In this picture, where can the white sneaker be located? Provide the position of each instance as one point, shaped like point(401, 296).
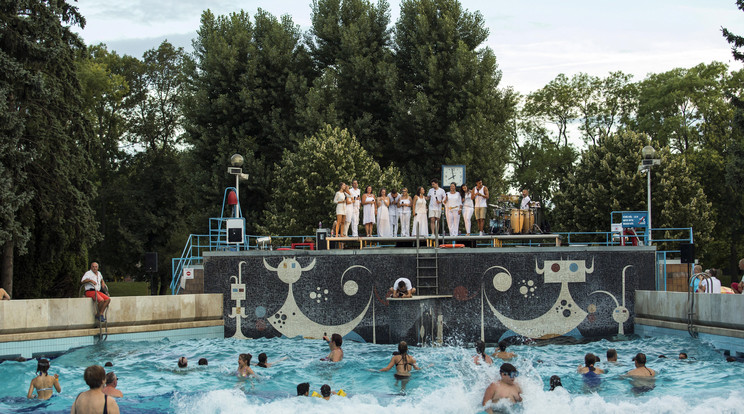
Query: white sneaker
point(480, 234)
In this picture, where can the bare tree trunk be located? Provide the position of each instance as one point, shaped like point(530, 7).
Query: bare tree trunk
point(6, 267)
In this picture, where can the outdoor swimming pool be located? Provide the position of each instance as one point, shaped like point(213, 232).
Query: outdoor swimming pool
point(704, 384)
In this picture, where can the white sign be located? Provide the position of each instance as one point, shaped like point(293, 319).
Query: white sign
point(616, 228)
point(188, 273)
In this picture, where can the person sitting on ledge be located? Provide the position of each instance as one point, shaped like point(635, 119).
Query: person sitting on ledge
point(4, 294)
point(501, 353)
point(94, 285)
point(111, 382)
point(337, 354)
point(402, 288)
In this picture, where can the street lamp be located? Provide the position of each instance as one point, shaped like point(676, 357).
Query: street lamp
point(236, 162)
point(648, 152)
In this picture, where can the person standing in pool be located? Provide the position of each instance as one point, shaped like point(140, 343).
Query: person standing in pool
point(94, 401)
point(480, 349)
point(402, 362)
point(111, 382)
point(505, 388)
point(263, 358)
point(44, 384)
point(337, 354)
point(640, 369)
point(244, 365)
point(611, 355)
point(589, 373)
point(502, 354)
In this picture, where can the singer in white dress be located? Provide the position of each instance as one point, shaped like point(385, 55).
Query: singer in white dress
point(340, 201)
point(383, 215)
point(420, 222)
point(453, 206)
point(467, 207)
point(404, 212)
point(368, 201)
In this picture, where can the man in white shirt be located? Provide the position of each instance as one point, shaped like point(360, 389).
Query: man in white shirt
point(480, 196)
point(710, 283)
point(93, 280)
point(355, 193)
point(393, 210)
point(402, 288)
point(435, 196)
point(525, 205)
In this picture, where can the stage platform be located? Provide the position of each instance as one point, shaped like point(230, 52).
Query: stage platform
point(466, 241)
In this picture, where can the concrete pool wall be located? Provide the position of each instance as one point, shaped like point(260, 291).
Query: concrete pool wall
point(488, 293)
point(717, 318)
point(45, 326)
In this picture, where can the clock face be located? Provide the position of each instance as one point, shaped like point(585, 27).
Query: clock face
point(453, 173)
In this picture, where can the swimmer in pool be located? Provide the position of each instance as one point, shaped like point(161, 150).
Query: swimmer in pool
point(263, 358)
point(555, 382)
point(402, 362)
point(682, 355)
point(183, 362)
point(643, 379)
point(325, 391)
point(505, 388)
point(94, 400)
point(244, 365)
point(611, 355)
point(44, 383)
point(303, 389)
point(480, 349)
point(337, 354)
point(502, 354)
point(589, 361)
point(111, 382)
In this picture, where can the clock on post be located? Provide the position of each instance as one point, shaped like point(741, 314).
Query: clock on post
point(453, 174)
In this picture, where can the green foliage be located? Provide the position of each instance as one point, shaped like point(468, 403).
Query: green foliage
point(449, 109)
point(42, 102)
point(246, 83)
point(308, 178)
point(606, 179)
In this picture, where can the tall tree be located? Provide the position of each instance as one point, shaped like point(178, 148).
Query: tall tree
point(44, 141)
point(351, 44)
point(449, 108)
point(247, 82)
point(310, 176)
point(606, 179)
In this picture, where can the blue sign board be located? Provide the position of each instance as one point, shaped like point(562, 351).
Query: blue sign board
point(635, 219)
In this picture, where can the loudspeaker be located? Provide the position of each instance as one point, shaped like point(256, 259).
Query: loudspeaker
point(151, 262)
point(688, 252)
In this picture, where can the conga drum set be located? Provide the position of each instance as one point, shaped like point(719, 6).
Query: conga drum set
point(508, 218)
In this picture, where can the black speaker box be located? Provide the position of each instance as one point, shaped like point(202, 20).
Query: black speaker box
point(688, 252)
point(151, 262)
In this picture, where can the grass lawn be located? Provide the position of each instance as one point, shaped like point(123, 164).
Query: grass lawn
point(128, 288)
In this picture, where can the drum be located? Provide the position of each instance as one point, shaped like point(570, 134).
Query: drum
point(516, 220)
point(528, 221)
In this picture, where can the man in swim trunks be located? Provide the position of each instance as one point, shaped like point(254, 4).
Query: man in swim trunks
point(402, 288)
point(111, 382)
point(502, 354)
point(94, 401)
point(93, 280)
point(504, 388)
point(337, 354)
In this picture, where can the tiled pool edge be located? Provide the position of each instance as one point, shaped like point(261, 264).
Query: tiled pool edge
point(49, 347)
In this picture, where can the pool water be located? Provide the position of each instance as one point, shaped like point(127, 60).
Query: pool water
point(147, 376)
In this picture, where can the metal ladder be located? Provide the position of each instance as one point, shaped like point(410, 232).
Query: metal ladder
point(427, 271)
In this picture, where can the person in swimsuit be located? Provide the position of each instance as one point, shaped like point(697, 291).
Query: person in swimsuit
point(183, 362)
point(111, 382)
point(94, 401)
point(611, 355)
point(555, 382)
point(504, 388)
point(402, 362)
point(501, 353)
point(325, 391)
point(303, 389)
point(244, 365)
point(589, 372)
point(263, 358)
point(43, 383)
point(480, 348)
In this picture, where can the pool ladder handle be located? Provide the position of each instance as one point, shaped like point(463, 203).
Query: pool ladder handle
point(691, 310)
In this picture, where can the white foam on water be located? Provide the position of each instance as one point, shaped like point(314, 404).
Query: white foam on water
point(456, 399)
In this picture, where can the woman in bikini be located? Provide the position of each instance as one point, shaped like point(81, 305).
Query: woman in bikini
point(402, 362)
point(244, 365)
point(44, 383)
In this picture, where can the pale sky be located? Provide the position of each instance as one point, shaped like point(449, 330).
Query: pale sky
point(533, 41)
